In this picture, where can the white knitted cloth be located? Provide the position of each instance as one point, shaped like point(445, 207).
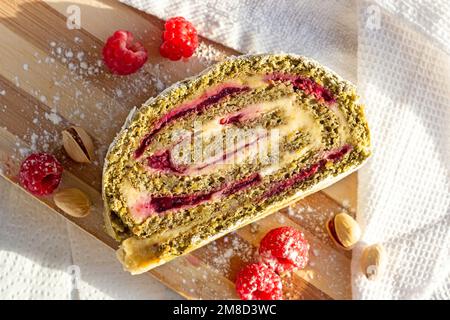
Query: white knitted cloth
point(42, 256)
point(401, 51)
point(404, 76)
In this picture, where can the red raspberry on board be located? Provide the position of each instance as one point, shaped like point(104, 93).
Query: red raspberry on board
point(179, 39)
point(40, 173)
point(122, 55)
point(284, 249)
point(257, 282)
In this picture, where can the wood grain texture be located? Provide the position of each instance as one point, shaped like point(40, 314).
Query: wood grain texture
point(51, 77)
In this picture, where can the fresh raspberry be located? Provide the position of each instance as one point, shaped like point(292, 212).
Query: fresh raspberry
point(284, 249)
point(122, 55)
point(40, 173)
point(179, 39)
point(257, 282)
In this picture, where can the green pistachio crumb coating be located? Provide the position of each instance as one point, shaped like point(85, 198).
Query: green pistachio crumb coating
point(338, 124)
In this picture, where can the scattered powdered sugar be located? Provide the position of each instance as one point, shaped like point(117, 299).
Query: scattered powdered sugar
point(53, 117)
point(119, 92)
point(158, 78)
point(80, 55)
point(83, 65)
point(228, 253)
point(312, 214)
point(281, 219)
point(159, 85)
point(208, 54)
point(224, 251)
point(254, 227)
point(69, 54)
point(34, 139)
point(81, 72)
point(43, 142)
point(23, 151)
point(346, 204)
point(315, 252)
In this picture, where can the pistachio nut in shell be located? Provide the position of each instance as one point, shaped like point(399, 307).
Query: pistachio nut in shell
point(73, 201)
point(344, 230)
point(78, 144)
point(372, 259)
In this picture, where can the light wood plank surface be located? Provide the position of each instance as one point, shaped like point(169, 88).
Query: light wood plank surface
point(52, 77)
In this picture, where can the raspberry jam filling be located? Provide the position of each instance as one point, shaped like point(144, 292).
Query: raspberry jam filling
point(251, 180)
point(157, 205)
point(336, 155)
point(283, 185)
point(231, 119)
point(162, 161)
point(213, 96)
point(248, 113)
point(161, 204)
point(280, 186)
point(197, 106)
point(305, 84)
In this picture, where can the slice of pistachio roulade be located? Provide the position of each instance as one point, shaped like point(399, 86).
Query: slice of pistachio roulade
point(215, 152)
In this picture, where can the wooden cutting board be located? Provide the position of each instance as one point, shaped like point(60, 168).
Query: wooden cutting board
point(51, 77)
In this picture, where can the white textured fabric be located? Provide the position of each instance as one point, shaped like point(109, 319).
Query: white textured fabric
point(323, 30)
point(400, 50)
point(404, 200)
point(34, 249)
point(42, 256)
